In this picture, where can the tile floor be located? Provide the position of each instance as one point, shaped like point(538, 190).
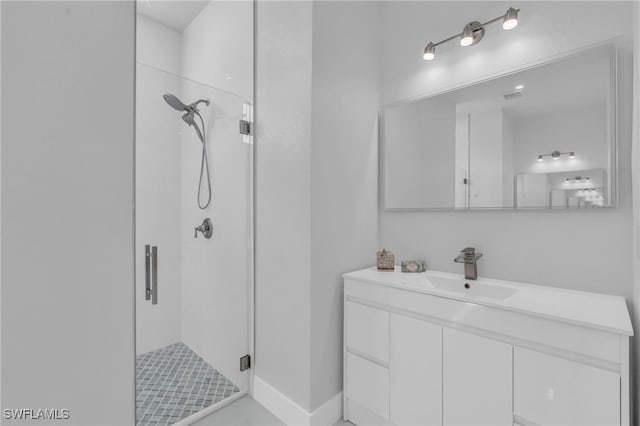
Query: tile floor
point(243, 412)
point(174, 382)
point(246, 412)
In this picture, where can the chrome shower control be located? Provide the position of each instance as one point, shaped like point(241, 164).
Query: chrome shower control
point(206, 228)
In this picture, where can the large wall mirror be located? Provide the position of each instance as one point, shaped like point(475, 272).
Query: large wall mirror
point(539, 138)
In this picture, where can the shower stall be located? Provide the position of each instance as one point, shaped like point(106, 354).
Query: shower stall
point(194, 264)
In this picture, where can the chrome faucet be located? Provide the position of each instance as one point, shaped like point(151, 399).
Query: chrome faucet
point(470, 258)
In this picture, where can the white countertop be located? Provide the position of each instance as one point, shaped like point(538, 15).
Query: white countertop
point(595, 310)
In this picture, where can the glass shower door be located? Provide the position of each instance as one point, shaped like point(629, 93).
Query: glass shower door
point(192, 292)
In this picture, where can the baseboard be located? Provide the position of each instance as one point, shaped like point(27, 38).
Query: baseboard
point(328, 413)
point(291, 413)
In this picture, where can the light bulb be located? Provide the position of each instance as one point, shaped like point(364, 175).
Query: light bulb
point(466, 41)
point(429, 52)
point(572, 155)
point(520, 87)
point(466, 38)
point(539, 157)
point(510, 20)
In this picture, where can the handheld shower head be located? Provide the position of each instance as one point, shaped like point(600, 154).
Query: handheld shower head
point(190, 112)
point(174, 102)
point(178, 105)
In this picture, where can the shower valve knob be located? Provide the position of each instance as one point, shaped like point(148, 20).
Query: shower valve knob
point(206, 228)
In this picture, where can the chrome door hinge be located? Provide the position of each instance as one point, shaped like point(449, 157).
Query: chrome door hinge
point(245, 127)
point(245, 362)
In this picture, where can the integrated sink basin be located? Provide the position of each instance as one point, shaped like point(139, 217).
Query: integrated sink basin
point(471, 288)
point(602, 311)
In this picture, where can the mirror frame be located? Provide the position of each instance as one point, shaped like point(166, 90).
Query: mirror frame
point(613, 130)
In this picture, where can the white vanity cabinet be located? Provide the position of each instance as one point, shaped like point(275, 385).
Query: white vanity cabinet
point(418, 353)
point(477, 380)
point(556, 391)
point(416, 376)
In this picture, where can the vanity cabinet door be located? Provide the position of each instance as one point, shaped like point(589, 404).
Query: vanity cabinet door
point(367, 331)
point(416, 372)
point(554, 391)
point(477, 388)
point(367, 384)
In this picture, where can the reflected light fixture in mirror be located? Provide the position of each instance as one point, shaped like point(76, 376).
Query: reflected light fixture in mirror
point(473, 32)
point(578, 179)
point(555, 155)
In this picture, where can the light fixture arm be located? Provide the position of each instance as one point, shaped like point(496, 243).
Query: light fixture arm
point(453, 37)
point(478, 27)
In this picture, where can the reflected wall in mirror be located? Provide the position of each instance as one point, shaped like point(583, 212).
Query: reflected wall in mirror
point(528, 139)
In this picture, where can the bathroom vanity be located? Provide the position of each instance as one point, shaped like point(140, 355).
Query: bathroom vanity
point(435, 349)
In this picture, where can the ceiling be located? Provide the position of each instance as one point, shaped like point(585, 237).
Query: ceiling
point(176, 14)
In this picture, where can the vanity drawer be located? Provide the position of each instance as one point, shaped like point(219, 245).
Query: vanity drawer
point(367, 331)
point(554, 391)
point(367, 384)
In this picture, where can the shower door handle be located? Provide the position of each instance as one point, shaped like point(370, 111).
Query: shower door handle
point(154, 279)
point(147, 272)
point(151, 274)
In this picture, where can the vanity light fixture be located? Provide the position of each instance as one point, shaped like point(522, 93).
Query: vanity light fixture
point(555, 155)
point(578, 179)
point(510, 19)
point(430, 51)
point(473, 32)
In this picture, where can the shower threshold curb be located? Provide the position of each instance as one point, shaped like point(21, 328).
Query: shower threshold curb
point(210, 409)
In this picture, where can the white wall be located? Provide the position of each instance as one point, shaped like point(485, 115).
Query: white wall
point(343, 173)
point(67, 209)
point(316, 104)
point(283, 201)
point(549, 248)
point(217, 50)
point(158, 181)
point(636, 198)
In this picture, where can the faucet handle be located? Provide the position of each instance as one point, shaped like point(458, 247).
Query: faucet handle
point(468, 251)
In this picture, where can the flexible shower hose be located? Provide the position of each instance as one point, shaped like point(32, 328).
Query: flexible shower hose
point(204, 168)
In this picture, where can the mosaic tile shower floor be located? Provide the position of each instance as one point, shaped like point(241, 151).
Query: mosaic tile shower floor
point(174, 382)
